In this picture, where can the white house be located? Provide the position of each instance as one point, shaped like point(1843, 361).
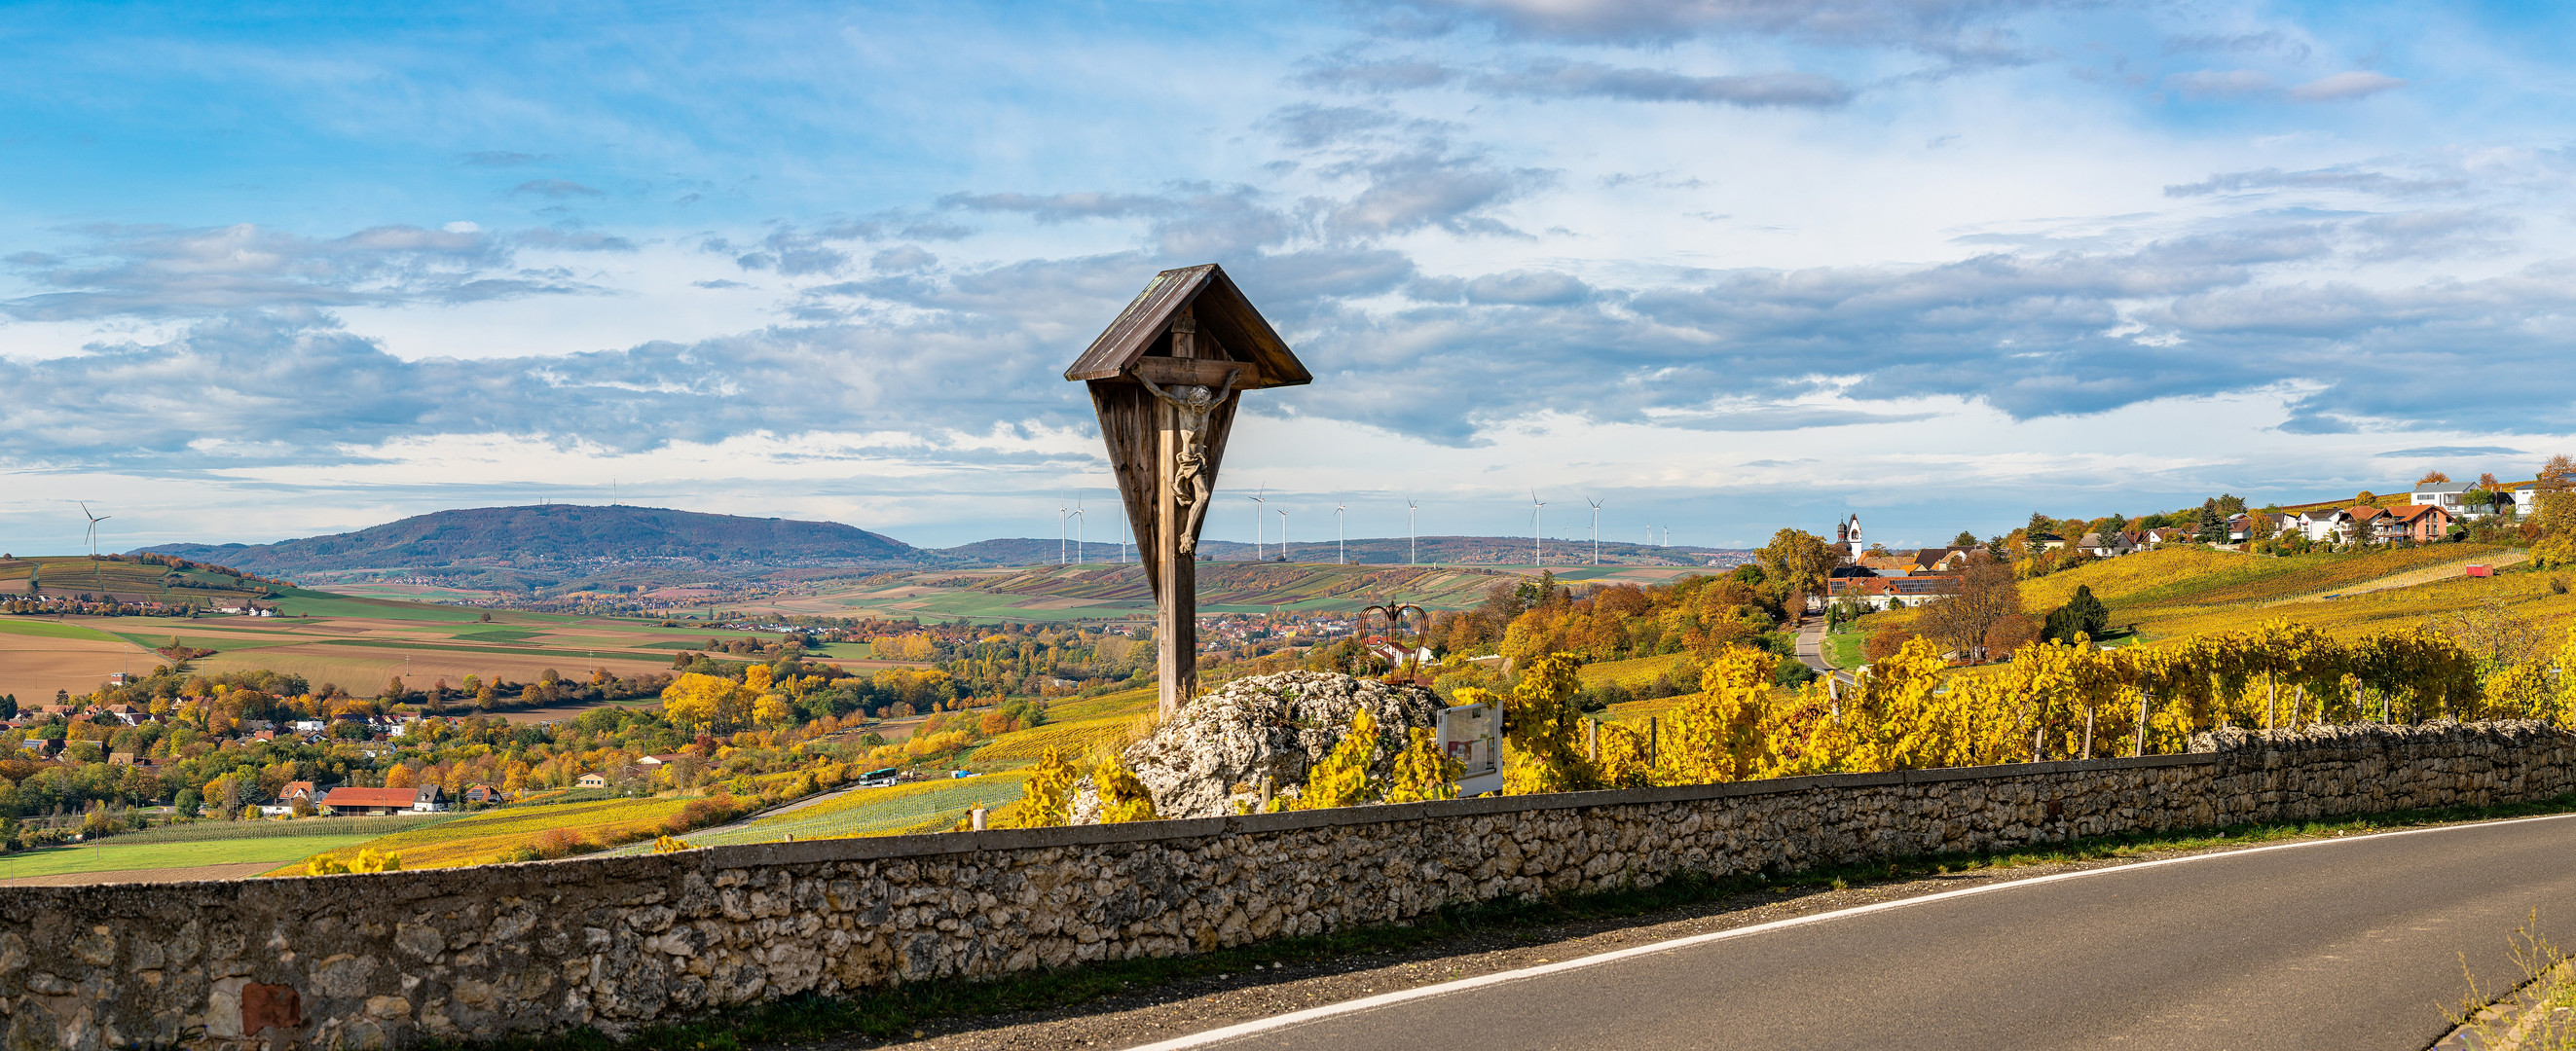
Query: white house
point(2325, 525)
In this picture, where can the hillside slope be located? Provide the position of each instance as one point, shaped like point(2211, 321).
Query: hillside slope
point(557, 533)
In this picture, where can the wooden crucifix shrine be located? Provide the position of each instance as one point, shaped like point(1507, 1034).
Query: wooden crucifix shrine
point(1164, 378)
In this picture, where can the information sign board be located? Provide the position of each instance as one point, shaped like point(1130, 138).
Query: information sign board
point(1472, 734)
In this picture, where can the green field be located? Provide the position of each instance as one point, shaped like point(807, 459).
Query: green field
point(119, 854)
point(52, 629)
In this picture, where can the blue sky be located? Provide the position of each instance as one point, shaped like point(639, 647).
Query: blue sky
point(1729, 265)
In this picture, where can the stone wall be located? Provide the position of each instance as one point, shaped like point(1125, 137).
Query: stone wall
point(618, 943)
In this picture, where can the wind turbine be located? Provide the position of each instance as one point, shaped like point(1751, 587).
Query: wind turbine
point(1596, 532)
point(1339, 557)
point(94, 520)
point(1077, 529)
point(1411, 555)
point(1536, 558)
point(1060, 512)
point(1261, 505)
point(1283, 534)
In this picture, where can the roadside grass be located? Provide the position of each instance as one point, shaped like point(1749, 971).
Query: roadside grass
point(118, 855)
point(900, 1012)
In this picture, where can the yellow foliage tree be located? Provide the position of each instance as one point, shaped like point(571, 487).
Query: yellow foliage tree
point(398, 777)
point(1123, 798)
point(1542, 726)
point(709, 701)
point(1342, 779)
point(1046, 798)
point(1422, 771)
point(1719, 733)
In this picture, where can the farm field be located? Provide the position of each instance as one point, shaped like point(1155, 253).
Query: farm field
point(123, 854)
point(38, 657)
point(1098, 591)
point(354, 642)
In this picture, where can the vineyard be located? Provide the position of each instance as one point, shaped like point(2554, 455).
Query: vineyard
point(2188, 591)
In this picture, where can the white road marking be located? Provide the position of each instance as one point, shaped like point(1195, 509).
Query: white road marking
point(1371, 1003)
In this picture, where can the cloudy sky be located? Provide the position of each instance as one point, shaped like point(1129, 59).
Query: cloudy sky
point(1724, 265)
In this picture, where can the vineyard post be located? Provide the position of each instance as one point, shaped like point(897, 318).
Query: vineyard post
point(1654, 738)
point(2271, 701)
point(2037, 733)
point(2088, 732)
point(2143, 695)
point(1592, 739)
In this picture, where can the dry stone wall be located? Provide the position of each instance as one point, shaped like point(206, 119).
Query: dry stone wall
point(619, 943)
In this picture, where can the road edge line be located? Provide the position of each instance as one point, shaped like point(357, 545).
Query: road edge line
point(1424, 992)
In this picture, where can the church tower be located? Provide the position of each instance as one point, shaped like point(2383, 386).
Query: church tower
point(1847, 534)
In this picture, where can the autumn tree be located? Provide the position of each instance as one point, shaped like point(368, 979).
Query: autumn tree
point(712, 702)
point(2433, 477)
point(1964, 539)
point(2557, 476)
point(1796, 562)
point(1986, 595)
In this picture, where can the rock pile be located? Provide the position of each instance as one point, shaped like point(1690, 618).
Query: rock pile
point(1217, 752)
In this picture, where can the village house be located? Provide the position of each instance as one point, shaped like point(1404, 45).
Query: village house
point(1878, 593)
point(2326, 525)
point(663, 759)
point(379, 802)
point(2422, 523)
point(2100, 546)
point(592, 780)
point(485, 794)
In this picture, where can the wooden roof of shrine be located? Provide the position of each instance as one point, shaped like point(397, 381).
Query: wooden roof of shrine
point(1228, 325)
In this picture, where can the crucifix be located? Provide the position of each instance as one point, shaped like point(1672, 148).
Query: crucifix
point(1166, 377)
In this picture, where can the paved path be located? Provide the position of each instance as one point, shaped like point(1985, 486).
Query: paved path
point(2342, 944)
point(1811, 649)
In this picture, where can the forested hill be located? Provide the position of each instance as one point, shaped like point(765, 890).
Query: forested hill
point(558, 533)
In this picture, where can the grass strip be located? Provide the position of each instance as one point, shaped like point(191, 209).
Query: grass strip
point(900, 1012)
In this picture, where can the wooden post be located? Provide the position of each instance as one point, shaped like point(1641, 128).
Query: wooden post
point(2088, 733)
point(2142, 723)
point(1592, 739)
point(1176, 617)
point(1654, 740)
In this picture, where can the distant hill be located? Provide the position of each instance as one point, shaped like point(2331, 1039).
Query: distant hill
point(557, 535)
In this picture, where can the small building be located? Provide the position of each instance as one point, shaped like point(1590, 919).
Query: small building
point(379, 802)
point(484, 794)
point(592, 780)
point(664, 759)
point(2422, 523)
point(2448, 496)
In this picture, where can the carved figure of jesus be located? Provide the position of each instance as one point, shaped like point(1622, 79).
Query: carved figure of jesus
point(1194, 404)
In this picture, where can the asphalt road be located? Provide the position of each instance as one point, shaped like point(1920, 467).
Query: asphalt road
point(2342, 944)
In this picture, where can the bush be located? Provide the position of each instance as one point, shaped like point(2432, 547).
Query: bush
point(1884, 643)
point(1792, 673)
point(2558, 584)
point(561, 843)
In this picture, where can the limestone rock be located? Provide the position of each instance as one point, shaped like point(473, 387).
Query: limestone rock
point(1216, 752)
